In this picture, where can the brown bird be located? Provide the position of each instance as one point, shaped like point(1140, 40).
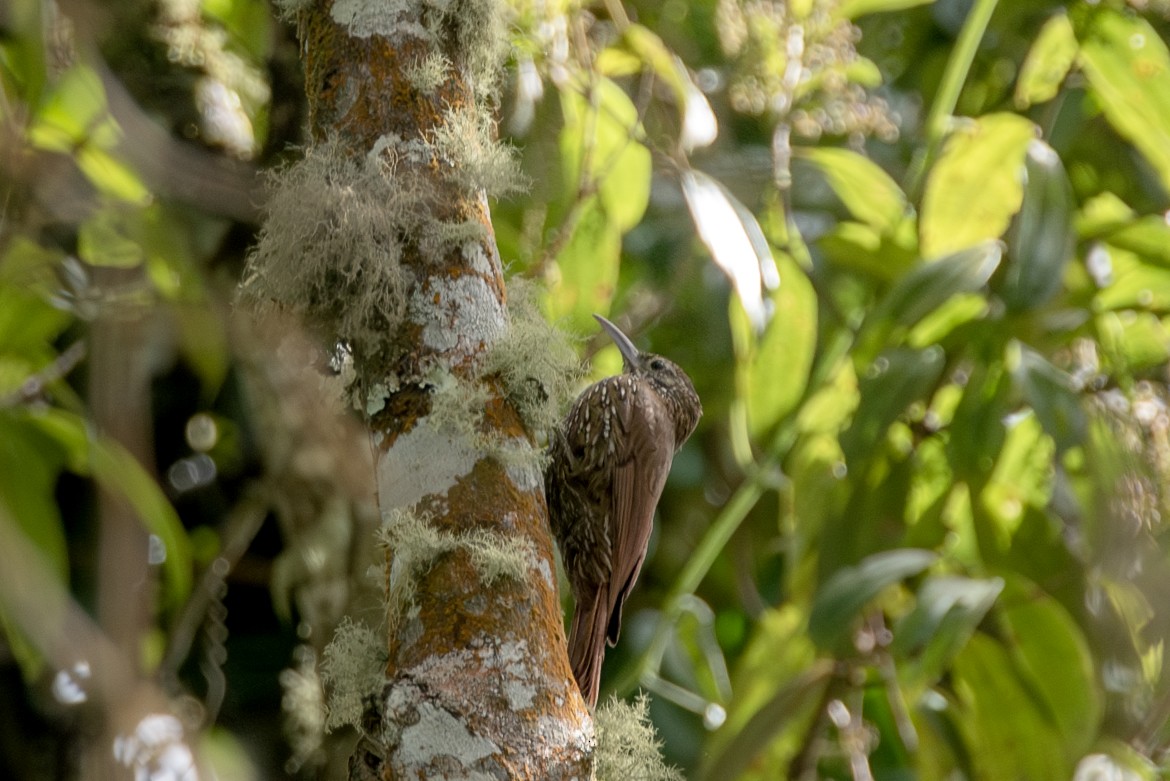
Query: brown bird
point(608, 463)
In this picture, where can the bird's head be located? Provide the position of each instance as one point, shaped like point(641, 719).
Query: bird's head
point(665, 376)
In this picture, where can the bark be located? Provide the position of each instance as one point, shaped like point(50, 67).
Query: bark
point(477, 683)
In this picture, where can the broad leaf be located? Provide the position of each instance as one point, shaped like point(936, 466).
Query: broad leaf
point(976, 186)
point(1043, 239)
point(1052, 394)
point(1128, 69)
point(849, 590)
point(1048, 62)
point(601, 131)
point(773, 378)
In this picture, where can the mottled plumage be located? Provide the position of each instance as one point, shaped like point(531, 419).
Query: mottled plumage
point(608, 464)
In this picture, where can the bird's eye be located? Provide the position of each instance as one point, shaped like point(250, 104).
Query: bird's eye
point(657, 364)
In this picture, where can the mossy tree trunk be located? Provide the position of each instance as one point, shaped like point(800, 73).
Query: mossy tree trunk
point(381, 238)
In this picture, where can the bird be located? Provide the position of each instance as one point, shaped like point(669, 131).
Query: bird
point(608, 462)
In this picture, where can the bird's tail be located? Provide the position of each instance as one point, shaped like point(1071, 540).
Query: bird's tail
point(587, 646)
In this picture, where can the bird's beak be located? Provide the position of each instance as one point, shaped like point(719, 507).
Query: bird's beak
point(625, 346)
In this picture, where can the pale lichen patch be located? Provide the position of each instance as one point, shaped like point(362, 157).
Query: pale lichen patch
point(364, 18)
point(427, 460)
point(438, 733)
point(460, 316)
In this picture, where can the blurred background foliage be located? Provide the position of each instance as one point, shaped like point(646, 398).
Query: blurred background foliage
point(916, 256)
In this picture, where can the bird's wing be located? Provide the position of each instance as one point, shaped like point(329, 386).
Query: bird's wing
point(642, 467)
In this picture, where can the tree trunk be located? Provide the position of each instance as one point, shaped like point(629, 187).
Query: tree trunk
point(400, 267)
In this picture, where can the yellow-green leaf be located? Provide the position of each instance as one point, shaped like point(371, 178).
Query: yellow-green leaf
point(977, 184)
point(600, 132)
point(1048, 62)
point(1128, 69)
point(774, 377)
point(868, 192)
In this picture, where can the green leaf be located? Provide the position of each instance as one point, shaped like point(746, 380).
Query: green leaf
point(851, 9)
point(1052, 394)
point(30, 462)
point(650, 49)
point(1134, 285)
point(778, 665)
point(894, 380)
point(112, 238)
point(112, 176)
point(791, 701)
point(74, 113)
point(1054, 657)
point(855, 246)
point(116, 469)
point(1048, 62)
point(868, 192)
point(587, 268)
point(976, 185)
point(789, 341)
point(1006, 734)
point(849, 590)
point(947, 612)
point(1043, 239)
point(28, 322)
point(1127, 66)
point(977, 427)
point(1132, 342)
point(1147, 237)
point(602, 134)
point(925, 289)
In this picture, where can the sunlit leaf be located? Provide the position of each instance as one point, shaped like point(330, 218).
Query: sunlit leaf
point(925, 288)
point(1006, 731)
point(851, 9)
point(849, 590)
point(1128, 69)
point(74, 112)
point(1147, 237)
point(602, 135)
point(1054, 656)
point(735, 240)
point(977, 185)
point(867, 191)
point(112, 176)
point(1133, 284)
point(587, 270)
point(1133, 342)
point(774, 377)
point(856, 246)
point(657, 57)
point(1043, 239)
point(1048, 62)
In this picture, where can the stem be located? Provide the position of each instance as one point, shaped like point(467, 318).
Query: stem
point(949, 89)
